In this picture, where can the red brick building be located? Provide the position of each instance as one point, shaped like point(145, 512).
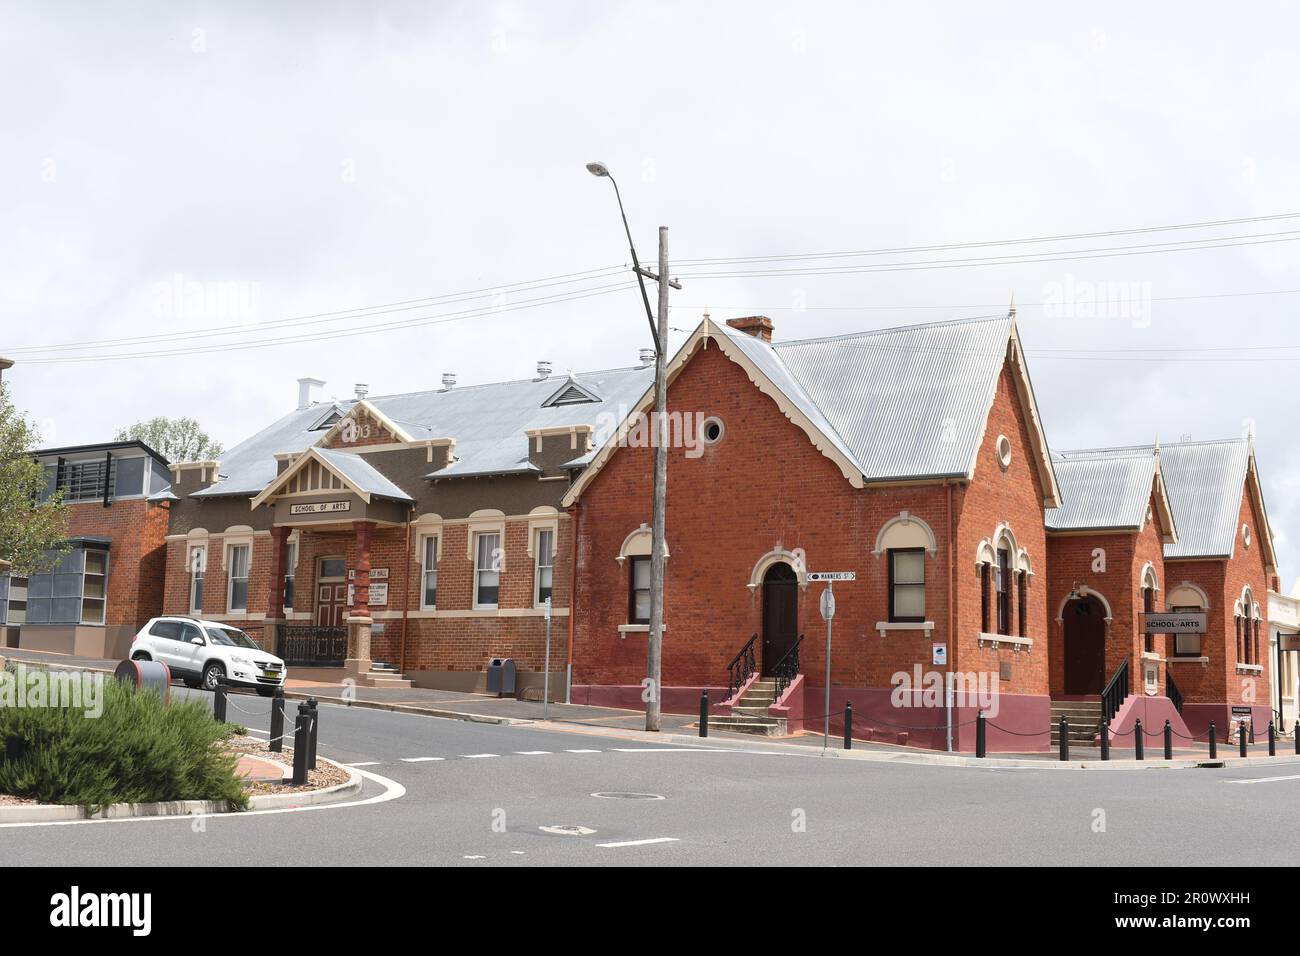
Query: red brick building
point(109, 580)
point(414, 534)
point(916, 458)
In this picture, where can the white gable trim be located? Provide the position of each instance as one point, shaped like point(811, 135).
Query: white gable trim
point(312, 454)
point(394, 429)
point(1037, 437)
point(705, 333)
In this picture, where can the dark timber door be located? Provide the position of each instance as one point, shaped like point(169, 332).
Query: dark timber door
point(780, 614)
point(1085, 646)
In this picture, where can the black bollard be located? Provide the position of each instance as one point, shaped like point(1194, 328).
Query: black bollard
point(219, 702)
point(301, 745)
point(1169, 741)
point(1296, 731)
point(312, 729)
point(1139, 740)
point(1272, 739)
point(848, 725)
point(1064, 731)
point(704, 713)
point(1105, 739)
point(981, 735)
point(1214, 742)
point(277, 721)
point(1241, 738)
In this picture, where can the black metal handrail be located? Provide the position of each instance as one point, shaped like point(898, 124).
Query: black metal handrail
point(742, 667)
point(787, 668)
point(1116, 691)
point(1172, 692)
point(309, 645)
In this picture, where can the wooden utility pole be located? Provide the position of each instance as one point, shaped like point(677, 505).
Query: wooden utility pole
point(654, 647)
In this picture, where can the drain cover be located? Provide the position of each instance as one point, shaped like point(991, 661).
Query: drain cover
point(619, 795)
point(568, 830)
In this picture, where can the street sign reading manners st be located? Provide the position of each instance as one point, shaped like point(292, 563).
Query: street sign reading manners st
point(832, 576)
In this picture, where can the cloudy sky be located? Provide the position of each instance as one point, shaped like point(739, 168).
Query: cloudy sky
point(267, 171)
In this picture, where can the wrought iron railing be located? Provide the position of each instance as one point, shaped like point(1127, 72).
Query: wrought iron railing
point(1172, 692)
point(1115, 692)
point(787, 668)
point(307, 645)
point(741, 667)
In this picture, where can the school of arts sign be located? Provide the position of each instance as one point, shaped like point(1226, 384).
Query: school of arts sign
point(319, 507)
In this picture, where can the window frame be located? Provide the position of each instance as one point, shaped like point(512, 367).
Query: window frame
point(1022, 603)
point(633, 562)
point(1002, 591)
point(539, 553)
point(894, 617)
point(198, 577)
point(289, 591)
point(986, 580)
point(429, 543)
point(59, 573)
point(479, 537)
point(231, 578)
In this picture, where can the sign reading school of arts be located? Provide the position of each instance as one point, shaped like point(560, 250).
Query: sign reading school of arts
point(319, 507)
point(1174, 622)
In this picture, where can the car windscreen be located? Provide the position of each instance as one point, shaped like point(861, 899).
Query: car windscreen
point(230, 637)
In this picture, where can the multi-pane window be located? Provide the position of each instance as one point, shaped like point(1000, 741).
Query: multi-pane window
point(73, 591)
point(16, 610)
point(198, 569)
point(290, 571)
point(430, 598)
point(1148, 606)
point(985, 573)
point(487, 570)
point(238, 597)
point(638, 585)
point(84, 480)
point(1003, 589)
point(907, 584)
point(545, 565)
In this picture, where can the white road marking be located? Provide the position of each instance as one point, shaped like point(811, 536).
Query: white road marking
point(582, 751)
point(420, 759)
point(476, 756)
point(531, 753)
point(1294, 776)
point(641, 842)
point(473, 858)
point(364, 763)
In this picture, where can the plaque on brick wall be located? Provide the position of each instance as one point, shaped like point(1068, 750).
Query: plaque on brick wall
point(319, 507)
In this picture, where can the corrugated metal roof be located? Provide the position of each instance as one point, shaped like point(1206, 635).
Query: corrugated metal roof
point(362, 475)
point(1204, 481)
point(488, 423)
point(907, 402)
point(1110, 491)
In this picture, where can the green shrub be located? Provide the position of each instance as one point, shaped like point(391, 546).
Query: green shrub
point(137, 751)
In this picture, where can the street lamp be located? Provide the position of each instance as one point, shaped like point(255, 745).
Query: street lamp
point(659, 333)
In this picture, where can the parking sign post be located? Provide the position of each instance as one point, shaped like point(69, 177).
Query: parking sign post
point(546, 668)
point(828, 612)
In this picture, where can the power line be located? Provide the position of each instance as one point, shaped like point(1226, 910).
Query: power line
point(999, 242)
point(382, 327)
point(1027, 259)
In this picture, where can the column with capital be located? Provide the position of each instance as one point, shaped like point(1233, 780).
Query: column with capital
point(359, 620)
point(275, 590)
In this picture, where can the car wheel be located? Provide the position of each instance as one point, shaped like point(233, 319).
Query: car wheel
point(212, 674)
point(266, 691)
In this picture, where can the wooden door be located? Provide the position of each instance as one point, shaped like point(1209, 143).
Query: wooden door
point(780, 614)
point(1085, 647)
point(331, 593)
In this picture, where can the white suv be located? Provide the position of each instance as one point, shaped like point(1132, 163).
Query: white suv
point(202, 652)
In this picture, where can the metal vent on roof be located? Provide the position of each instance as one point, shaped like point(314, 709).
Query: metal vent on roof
point(571, 393)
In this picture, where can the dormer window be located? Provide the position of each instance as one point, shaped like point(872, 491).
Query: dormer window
point(328, 420)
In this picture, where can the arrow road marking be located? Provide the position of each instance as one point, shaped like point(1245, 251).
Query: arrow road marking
point(641, 842)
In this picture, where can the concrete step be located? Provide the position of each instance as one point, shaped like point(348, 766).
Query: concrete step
point(743, 725)
point(386, 679)
point(745, 710)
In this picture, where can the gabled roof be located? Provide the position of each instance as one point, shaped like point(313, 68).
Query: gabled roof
point(1110, 490)
point(359, 409)
point(487, 422)
point(902, 404)
point(1205, 481)
point(359, 475)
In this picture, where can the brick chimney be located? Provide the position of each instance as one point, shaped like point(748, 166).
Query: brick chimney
point(759, 326)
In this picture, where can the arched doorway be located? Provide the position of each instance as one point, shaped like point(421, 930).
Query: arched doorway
point(1084, 620)
point(780, 613)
